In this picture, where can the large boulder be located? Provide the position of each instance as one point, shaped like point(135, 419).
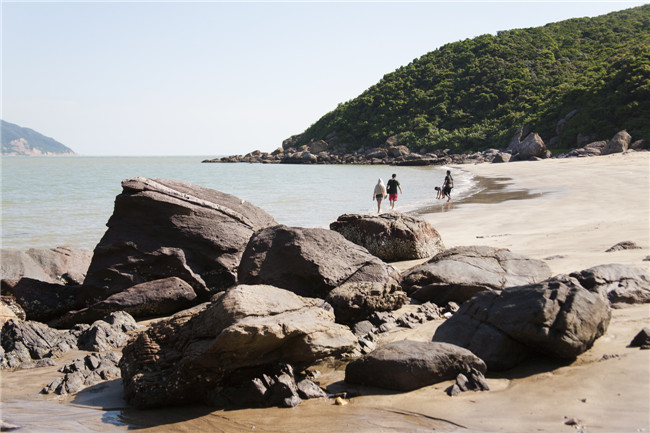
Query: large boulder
point(557, 317)
point(619, 143)
point(59, 265)
point(309, 261)
point(42, 301)
point(167, 228)
point(354, 302)
point(619, 284)
point(391, 236)
point(407, 365)
point(190, 357)
point(530, 147)
point(459, 273)
point(147, 300)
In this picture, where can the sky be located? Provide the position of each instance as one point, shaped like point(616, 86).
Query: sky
point(218, 78)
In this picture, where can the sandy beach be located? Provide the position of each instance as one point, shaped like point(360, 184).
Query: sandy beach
point(579, 208)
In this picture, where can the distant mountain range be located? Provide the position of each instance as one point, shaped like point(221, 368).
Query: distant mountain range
point(17, 140)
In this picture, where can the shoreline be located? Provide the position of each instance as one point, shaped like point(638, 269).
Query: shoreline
point(575, 209)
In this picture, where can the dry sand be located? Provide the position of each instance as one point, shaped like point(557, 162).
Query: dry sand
point(585, 207)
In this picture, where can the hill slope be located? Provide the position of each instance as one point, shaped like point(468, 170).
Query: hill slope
point(474, 94)
point(17, 140)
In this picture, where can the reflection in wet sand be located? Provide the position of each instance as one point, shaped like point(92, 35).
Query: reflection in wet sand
point(490, 191)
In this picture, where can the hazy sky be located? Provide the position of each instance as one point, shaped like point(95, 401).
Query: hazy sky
point(217, 78)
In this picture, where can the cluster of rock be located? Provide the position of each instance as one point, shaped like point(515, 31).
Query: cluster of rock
point(525, 145)
point(83, 372)
point(391, 154)
point(257, 303)
point(559, 317)
point(28, 344)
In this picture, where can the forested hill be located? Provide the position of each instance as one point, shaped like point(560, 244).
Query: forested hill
point(474, 94)
point(17, 140)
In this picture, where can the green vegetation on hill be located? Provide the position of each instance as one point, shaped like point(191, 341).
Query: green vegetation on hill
point(17, 140)
point(474, 94)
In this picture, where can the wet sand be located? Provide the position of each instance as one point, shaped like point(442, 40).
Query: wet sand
point(574, 211)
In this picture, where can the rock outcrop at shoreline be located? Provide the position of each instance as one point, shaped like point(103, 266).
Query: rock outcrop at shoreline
point(459, 273)
point(525, 145)
point(408, 365)
point(309, 261)
point(391, 236)
point(190, 357)
point(60, 265)
point(557, 317)
point(167, 228)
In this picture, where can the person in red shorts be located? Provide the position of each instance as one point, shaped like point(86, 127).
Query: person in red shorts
point(392, 186)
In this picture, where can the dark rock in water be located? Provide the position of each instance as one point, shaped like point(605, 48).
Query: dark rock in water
point(83, 372)
point(40, 300)
point(61, 265)
point(459, 273)
point(406, 365)
point(24, 342)
point(309, 261)
point(642, 338)
point(625, 245)
point(557, 317)
point(620, 284)
point(107, 334)
point(354, 302)
point(189, 357)
point(151, 299)
point(391, 236)
point(168, 228)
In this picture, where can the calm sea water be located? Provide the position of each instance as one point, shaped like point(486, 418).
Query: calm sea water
point(53, 201)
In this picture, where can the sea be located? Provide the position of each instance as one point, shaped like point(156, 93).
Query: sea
point(67, 201)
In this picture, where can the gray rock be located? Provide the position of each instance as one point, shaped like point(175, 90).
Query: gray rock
point(531, 146)
point(107, 334)
point(624, 245)
point(619, 143)
point(406, 365)
point(187, 358)
point(391, 236)
point(354, 302)
point(501, 157)
point(557, 317)
point(156, 298)
point(619, 284)
point(26, 341)
point(459, 273)
point(83, 372)
point(60, 265)
point(309, 261)
point(167, 228)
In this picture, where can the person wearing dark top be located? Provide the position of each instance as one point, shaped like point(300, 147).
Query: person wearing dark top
point(392, 186)
point(448, 185)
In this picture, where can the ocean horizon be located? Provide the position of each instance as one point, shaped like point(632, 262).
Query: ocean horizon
point(67, 200)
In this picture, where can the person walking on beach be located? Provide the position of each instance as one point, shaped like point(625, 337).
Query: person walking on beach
point(379, 193)
point(392, 187)
point(448, 185)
